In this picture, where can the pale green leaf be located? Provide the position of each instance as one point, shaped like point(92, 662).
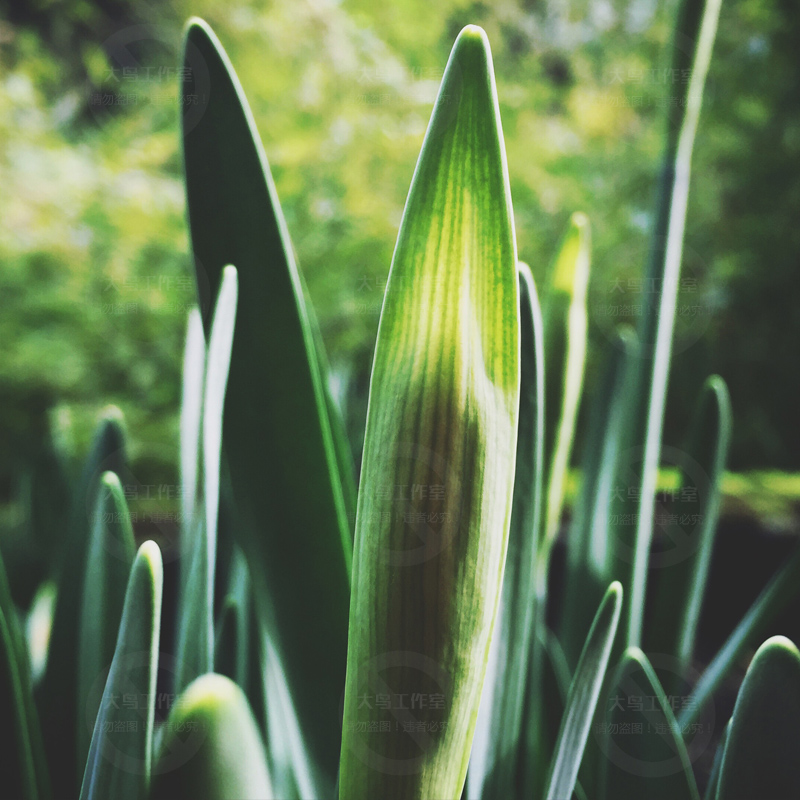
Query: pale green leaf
point(442, 422)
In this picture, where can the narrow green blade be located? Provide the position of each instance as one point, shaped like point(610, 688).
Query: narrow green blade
point(589, 546)
point(495, 749)
point(776, 595)
point(583, 695)
point(761, 753)
point(278, 443)
point(216, 381)
point(196, 605)
point(194, 368)
point(120, 755)
point(56, 696)
point(565, 327)
point(212, 749)
point(644, 750)
point(697, 23)
point(442, 422)
point(681, 586)
point(111, 553)
point(17, 766)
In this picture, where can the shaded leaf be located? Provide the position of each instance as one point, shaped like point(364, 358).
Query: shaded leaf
point(760, 757)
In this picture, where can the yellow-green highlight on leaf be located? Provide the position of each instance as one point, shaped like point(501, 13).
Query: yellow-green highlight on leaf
point(437, 479)
point(120, 756)
point(212, 749)
point(565, 329)
point(761, 752)
point(495, 748)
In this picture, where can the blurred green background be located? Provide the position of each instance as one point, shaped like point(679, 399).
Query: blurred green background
point(95, 283)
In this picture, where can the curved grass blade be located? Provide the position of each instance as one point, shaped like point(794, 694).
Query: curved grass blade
point(583, 695)
point(194, 368)
point(56, 696)
point(653, 762)
point(111, 553)
point(212, 749)
point(565, 327)
point(590, 547)
point(495, 748)
point(278, 443)
point(761, 752)
point(775, 596)
point(713, 781)
point(443, 409)
point(680, 588)
point(120, 755)
point(697, 23)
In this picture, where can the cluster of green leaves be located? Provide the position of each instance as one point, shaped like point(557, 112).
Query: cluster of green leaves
point(301, 598)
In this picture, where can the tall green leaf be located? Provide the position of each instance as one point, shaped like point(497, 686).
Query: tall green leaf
point(120, 755)
point(565, 328)
point(644, 750)
point(212, 749)
point(56, 695)
point(776, 595)
point(434, 502)
point(697, 24)
point(583, 695)
point(495, 750)
point(681, 586)
point(760, 757)
point(111, 553)
point(290, 506)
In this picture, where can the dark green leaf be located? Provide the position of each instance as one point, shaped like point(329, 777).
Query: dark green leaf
point(760, 759)
point(291, 512)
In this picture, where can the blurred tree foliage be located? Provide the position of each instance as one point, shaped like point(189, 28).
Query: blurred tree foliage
point(94, 272)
